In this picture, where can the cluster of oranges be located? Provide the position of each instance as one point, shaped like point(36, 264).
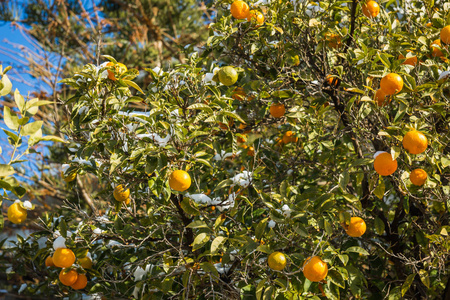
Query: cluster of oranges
point(65, 258)
point(415, 142)
point(240, 10)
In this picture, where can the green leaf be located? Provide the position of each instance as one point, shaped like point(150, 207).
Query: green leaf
point(6, 170)
point(344, 178)
point(379, 226)
point(357, 249)
point(200, 240)
point(336, 278)
point(53, 138)
point(209, 267)
point(198, 224)
point(409, 280)
point(260, 228)
point(188, 207)
point(260, 288)
point(234, 115)
point(201, 106)
point(12, 135)
point(132, 84)
point(20, 102)
point(424, 277)
point(31, 128)
point(11, 120)
point(7, 85)
point(380, 189)
point(216, 243)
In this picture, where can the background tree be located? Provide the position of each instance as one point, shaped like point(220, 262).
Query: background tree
point(279, 150)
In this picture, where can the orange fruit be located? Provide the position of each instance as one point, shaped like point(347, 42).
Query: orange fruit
point(179, 180)
point(239, 9)
point(418, 177)
point(85, 262)
point(68, 277)
point(415, 142)
point(356, 228)
point(315, 269)
point(49, 262)
point(289, 137)
point(436, 52)
point(16, 213)
point(384, 164)
point(251, 151)
point(277, 261)
point(80, 283)
point(371, 9)
point(242, 139)
point(277, 110)
point(63, 258)
point(120, 193)
point(333, 81)
point(227, 75)
point(255, 16)
point(391, 84)
point(238, 94)
point(333, 40)
point(429, 24)
point(380, 98)
point(412, 61)
point(445, 34)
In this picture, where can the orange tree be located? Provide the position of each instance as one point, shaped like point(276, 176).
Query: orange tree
point(267, 166)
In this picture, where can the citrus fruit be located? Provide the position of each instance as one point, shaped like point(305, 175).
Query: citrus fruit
point(242, 138)
point(384, 164)
point(128, 201)
point(85, 262)
point(418, 177)
point(228, 75)
point(239, 9)
point(371, 9)
point(380, 98)
point(391, 84)
point(277, 261)
point(68, 277)
point(445, 34)
point(277, 110)
point(16, 213)
point(80, 283)
point(120, 193)
point(315, 269)
point(436, 52)
point(238, 94)
point(251, 151)
point(49, 262)
point(356, 228)
point(333, 40)
point(255, 16)
point(289, 137)
point(333, 81)
point(415, 142)
point(412, 61)
point(63, 258)
point(179, 180)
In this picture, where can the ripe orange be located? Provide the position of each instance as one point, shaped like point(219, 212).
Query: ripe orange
point(120, 193)
point(239, 9)
point(63, 258)
point(436, 52)
point(238, 94)
point(371, 9)
point(277, 110)
point(380, 98)
point(85, 262)
point(333, 40)
point(277, 261)
point(415, 142)
point(289, 137)
point(332, 80)
point(255, 16)
point(356, 228)
point(68, 278)
point(391, 84)
point(179, 180)
point(412, 61)
point(242, 139)
point(49, 262)
point(384, 164)
point(80, 283)
point(16, 213)
point(251, 151)
point(445, 34)
point(418, 177)
point(315, 269)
